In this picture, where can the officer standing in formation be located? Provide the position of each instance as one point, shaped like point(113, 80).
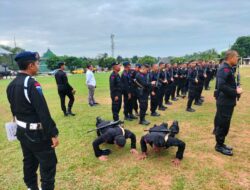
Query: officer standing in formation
point(115, 90)
point(227, 93)
point(64, 89)
point(144, 86)
point(128, 92)
point(36, 130)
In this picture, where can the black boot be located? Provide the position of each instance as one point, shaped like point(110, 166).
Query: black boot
point(144, 122)
point(190, 110)
point(70, 112)
point(223, 150)
point(155, 114)
point(133, 116)
point(127, 118)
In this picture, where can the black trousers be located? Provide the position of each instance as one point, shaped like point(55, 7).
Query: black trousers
point(161, 93)
point(192, 94)
point(143, 101)
point(179, 86)
point(207, 81)
point(62, 95)
point(168, 92)
point(35, 154)
point(172, 141)
point(154, 101)
point(198, 93)
point(222, 122)
point(135, 100)
point(173, 91)
point(116, 107)
point(127, 104)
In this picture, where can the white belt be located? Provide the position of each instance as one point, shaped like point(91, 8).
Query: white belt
point(32, 126)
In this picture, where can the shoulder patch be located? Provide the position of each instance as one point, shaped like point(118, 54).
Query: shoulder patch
point(38, 87)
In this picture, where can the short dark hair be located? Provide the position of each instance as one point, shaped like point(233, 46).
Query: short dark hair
point(88, 66)
point(230, 53)
point(23, 65)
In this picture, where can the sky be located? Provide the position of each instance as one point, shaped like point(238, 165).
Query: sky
point(159, 28)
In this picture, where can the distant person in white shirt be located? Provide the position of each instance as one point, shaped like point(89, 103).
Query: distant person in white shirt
point(91, 83)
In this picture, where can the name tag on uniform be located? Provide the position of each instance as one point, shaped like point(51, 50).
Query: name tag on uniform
point(11, 128)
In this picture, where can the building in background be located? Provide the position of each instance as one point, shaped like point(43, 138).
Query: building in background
point(43, 65)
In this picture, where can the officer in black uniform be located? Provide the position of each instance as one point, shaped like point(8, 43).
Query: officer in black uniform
point(208, 71)
point(158, 139)
point(192, 86)
point(162, 86)
point(36, 130)
point(144, 86)
point(112, 134)
point(135, 99)
point(135, 93)
point(128, 92)
point(155, 90)
point(225, 101)
point(115, 90)
point(170, 79)
point(64, 89)
point(174, 71)
point(201, 78)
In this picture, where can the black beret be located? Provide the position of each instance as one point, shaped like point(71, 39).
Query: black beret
point(138, 65)
point(59, 64)
point(126, 63)
point(114, 63)
point(27, 56)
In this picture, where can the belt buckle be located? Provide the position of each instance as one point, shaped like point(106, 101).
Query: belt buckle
point(39, 126)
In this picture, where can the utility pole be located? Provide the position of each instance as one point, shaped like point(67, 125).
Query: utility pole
point(112, 44)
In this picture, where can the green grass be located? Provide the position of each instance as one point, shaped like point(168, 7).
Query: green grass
point(201, 168)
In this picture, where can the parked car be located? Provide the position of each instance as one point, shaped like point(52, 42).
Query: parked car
point(78, 71)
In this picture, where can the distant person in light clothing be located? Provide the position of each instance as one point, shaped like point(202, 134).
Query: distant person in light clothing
point(91, 83)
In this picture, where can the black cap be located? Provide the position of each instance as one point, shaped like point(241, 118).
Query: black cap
point(27, 56)
point(159, 141)
point(114, 63)
point(126, 63)
point(120, 140)
point(138, 65)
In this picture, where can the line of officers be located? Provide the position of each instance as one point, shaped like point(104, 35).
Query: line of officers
point(159, 83)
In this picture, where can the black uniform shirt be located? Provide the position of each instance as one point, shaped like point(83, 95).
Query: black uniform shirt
point(142, 79)
point(115, 84)
point(126, 81)
point(226, 85)
point(35, 112)
point(62, 81)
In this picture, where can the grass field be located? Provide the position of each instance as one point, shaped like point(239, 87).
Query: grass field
point(201, 168)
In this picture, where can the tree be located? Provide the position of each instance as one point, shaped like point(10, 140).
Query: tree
point(135, 59)
point(147, 60)
point(53, 62)
point(8, 59)
point(242, 46)
point(108, 61)
point(119, 59)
